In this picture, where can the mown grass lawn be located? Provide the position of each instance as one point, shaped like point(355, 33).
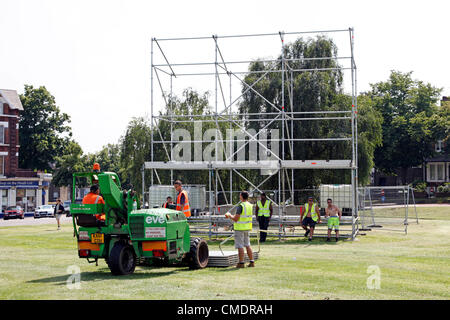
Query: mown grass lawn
point(34, 262)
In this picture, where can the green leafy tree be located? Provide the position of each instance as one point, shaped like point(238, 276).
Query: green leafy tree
point(440, 125)
point(70, 162)
point(189, 103)
point(135, 149)
point(370, 137)
point(73, 160)
point(312, 91)
point(108, 158)
point(43, 129)
point(412, 122)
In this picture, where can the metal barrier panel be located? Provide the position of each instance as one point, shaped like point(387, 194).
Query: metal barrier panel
point(387, 208)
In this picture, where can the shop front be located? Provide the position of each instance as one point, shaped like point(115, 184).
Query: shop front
point(27, 194)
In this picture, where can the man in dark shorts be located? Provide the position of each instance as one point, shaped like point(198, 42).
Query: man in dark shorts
point(309, 216)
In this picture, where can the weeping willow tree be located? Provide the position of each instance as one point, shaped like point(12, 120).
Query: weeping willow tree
point(312, 90)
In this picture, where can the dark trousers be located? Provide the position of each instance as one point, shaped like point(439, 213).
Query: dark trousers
point(263, 225)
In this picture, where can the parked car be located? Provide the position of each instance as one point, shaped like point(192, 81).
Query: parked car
point(14, 212)
point(44, 211)
point(66, 205)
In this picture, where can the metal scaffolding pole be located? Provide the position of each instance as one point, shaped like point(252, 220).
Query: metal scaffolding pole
point(171, 126)
point(354, 170)
point(151, 109)
point(278, 117)
point(253, 35)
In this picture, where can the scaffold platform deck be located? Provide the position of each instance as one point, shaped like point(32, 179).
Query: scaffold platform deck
point(227, 258)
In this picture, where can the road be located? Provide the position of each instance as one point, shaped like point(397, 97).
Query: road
point(378, 206)
point(32, 221)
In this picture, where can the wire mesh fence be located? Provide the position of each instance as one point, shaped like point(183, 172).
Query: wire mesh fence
point(379, 208)
point(387, 208)
point(285, 221)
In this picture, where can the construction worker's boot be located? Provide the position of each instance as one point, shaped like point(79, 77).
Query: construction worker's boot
point(251, 264)
point(240, 265)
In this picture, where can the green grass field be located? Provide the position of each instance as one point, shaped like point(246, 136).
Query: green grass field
point(34, 261)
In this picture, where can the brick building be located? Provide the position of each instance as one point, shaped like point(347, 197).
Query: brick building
point(21, 187)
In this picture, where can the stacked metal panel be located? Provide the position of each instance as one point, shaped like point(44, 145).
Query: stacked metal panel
point(341, 194)
point(227, 259)
point(159, 193)
point(197, 196)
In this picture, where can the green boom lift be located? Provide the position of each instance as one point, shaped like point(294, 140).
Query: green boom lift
point(128, 234)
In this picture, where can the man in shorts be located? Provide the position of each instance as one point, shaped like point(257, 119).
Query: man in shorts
point(242, 227)
point(58, 212)
point(309, 216)
point(334, 215)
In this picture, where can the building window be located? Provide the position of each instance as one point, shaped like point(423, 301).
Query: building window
point(4, 199)
point(2, 135)
point(30, 199)
point(438, 146)
point(2, 165)
point(436, 172)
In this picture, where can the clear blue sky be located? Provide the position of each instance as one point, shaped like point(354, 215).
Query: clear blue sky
point(94, 56)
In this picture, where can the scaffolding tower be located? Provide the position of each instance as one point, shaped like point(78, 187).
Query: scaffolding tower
point(279, 167)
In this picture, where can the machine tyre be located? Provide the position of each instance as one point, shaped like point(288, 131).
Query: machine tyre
point(122, 260)
point(198, 254)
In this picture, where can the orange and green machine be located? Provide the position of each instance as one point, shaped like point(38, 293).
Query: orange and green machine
point(124, 234)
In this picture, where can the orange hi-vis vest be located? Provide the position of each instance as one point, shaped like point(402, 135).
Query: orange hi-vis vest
point(185, 209)
point(92, 198)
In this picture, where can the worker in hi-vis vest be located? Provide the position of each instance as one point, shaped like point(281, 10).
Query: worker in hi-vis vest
point(264, 214)
point(169, 203)
point(309, 216)
point(182, 199)
point(94, 197)
point(242, 227)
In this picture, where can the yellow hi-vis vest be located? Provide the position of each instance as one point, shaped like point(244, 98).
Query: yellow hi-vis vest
point(313, 212)
point(263, 210)
point(245, 220)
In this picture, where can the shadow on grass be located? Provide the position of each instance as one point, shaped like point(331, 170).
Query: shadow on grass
point(105, 274)
point(296, 241)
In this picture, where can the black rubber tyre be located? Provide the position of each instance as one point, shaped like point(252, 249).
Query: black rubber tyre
point(199, 254)
point(122, 260)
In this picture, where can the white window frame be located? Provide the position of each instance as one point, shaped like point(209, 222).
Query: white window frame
point(2, 134)
point(438, 146)
point(2, 159)
point(1, 199)
point(432, 166)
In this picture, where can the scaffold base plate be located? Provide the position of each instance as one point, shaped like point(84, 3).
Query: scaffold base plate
point(227, 259)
